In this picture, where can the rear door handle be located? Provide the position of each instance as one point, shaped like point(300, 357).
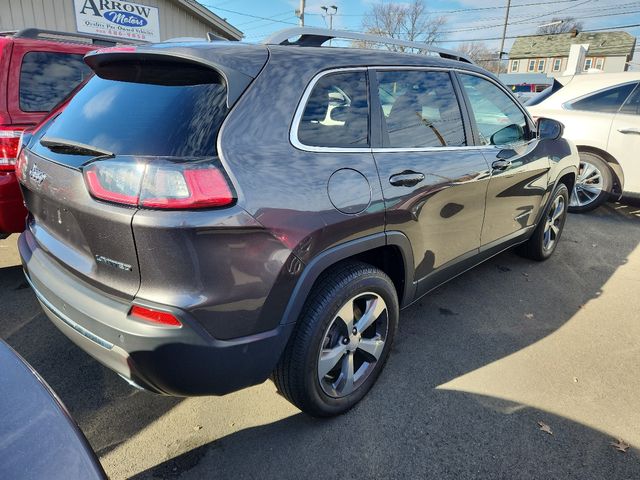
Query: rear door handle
point(627, 130)
point(501, 164)
point(408, 178)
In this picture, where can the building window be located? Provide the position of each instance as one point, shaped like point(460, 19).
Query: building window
point(515, 64)
point(532, 65)
point(541, 64)
point(599, 63)
point(587, 63)
point(557, 63)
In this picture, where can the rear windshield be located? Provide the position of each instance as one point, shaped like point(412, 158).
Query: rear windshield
point(144, 119)
point(543, 95)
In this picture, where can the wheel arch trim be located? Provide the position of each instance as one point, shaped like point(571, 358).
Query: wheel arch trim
point(567, 170)
point(344, 251)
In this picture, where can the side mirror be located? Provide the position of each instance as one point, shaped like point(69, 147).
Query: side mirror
point(510, 134)
point(549, 129)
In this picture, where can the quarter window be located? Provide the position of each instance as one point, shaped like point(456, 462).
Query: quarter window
point(632, 105)
point(46, 78)
point(606, 101)
point(497, 116)
point(337, 112)
point(420, 109)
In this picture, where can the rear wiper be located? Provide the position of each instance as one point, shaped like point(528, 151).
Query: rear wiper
point(60, 145)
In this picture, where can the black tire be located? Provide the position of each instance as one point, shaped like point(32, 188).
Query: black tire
point(581, 206)
point(537, 247)
point(296, 375)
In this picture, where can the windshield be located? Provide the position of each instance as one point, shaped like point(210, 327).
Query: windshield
point(144, 119)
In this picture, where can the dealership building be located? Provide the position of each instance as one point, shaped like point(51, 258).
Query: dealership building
point(143, 20)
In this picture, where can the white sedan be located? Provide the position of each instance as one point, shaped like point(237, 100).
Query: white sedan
point(601, 114)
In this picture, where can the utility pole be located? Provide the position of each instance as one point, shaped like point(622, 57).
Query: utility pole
point(300, 13)
point(330, 14)
point(504, 34)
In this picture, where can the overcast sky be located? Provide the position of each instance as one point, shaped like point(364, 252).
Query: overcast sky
point(466, 19)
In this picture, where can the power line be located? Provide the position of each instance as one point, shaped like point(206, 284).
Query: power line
point(461, 10)
point(249, 15)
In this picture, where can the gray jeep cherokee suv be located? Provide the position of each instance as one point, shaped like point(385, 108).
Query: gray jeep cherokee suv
point(206, 215)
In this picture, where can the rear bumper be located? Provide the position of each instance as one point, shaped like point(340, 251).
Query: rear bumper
point(12, 211)
point(183, 361)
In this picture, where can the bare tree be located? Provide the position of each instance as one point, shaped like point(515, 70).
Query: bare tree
point(563, 25)
point(404, 21)
point(482, 55)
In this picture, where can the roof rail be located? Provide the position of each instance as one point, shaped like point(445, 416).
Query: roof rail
point(37, 33)
point(315, 37)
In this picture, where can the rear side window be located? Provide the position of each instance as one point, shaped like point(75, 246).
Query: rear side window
point(632, 105)
point(129, 118)
point(420, 109)
point(337, 112)
point(46, 78)
point(498, 118)
point(606, 101)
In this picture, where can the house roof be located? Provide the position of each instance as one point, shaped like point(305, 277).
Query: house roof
point(227, 30)
point(558, 45)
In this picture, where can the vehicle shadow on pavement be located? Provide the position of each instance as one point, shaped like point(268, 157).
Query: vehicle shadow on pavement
point(99, 401)
point(476, 365)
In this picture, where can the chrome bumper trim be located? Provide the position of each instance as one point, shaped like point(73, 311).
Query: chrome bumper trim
point(78, 328)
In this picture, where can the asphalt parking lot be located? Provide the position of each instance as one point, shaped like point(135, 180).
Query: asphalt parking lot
point(476, 365)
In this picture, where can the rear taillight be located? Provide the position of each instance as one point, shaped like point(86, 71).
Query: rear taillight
point(159, 184)
point(155, 316)
point(9, 147)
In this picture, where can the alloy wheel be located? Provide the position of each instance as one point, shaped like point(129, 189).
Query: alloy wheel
point(588, 186)
point(352, 345)
point(553, 223)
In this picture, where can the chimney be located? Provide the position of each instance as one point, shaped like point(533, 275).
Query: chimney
point(574, 33)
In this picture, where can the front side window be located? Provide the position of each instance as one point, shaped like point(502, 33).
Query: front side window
point(420, 109)
point(498, 118)
point(46, 78)
point(632, 105)
point(606, 101)
point(337, 112)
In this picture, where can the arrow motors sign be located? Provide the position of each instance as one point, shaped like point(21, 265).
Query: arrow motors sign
point(119, 19)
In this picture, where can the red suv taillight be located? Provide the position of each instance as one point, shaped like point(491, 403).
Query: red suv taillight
point(9, 147)
point(159, 184)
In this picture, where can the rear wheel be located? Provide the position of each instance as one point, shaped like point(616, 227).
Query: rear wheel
point(546, 236)
point(592, 185)
point(341, 342)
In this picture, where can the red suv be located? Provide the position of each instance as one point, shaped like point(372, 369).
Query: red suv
point(38, 69)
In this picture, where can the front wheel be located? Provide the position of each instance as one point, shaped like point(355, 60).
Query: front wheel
point(546, 236)
point(341, 342)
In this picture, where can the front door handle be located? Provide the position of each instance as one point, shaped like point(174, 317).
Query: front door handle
point(501, 164)
point(631, 130)
point(408, 178)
